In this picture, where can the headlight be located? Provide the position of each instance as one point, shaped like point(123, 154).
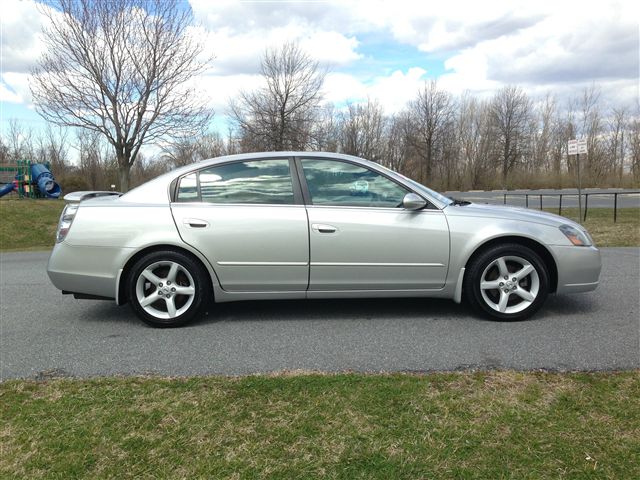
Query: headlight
point(578, 237)
point(66, 219)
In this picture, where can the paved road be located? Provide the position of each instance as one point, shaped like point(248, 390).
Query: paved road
point(550, 199)
point(43, 333)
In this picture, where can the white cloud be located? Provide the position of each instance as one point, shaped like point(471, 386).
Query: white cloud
point(221, 88)
point(546, 45)
point(240, 33)
point(7, 95)
point(393, 91)
point(18, 87)
point(572, 46)
point(21, 24)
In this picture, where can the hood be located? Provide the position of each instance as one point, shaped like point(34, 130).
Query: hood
point(509, 213)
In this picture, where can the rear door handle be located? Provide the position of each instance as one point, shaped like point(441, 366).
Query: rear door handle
point(322, 228)
point(195, 223)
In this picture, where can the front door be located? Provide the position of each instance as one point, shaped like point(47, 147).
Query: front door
point(361, 238)
point(245, 218)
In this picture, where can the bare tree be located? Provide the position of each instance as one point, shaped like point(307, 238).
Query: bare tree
point(397, 148)
point(634, 142)
point(280, 115)
point(510, 111)
point(92, 158)
point(591, 129)
point(432, 110)
point(121, 68)
point(53, 148)
point(476, 140)
point(362, 128)
point(183, 151)
point(617, 144)
point(19, 141)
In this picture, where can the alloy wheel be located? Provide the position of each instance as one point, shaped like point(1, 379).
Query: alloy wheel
point(165, 289)
point(509, 284)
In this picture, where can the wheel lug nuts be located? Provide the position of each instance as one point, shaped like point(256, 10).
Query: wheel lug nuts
point(168, 282)
point(159, 292)
point(506, 277)
point(173, 289)
point(160, 284)
point(506, 290)
point(515, 279)
point(502, 284)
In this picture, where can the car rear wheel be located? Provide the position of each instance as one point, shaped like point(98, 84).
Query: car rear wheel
point(506, 282)
point(167, 288)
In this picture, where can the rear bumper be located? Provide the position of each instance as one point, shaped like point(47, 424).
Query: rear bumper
point(86, 270)
point(578, 268)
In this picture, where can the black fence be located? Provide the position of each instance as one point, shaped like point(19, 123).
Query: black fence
point(560, 195)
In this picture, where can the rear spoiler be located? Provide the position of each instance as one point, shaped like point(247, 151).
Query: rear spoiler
point(77, 197)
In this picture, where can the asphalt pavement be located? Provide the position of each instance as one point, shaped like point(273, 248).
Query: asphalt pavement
point(45, 334)
point(598, 197)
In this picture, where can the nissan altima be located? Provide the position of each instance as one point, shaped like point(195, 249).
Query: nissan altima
point(296, 225)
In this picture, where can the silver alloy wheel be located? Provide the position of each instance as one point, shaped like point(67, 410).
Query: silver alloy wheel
point(165, 289)
point(509, 284)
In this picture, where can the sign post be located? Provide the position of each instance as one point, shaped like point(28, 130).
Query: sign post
point(576, 147)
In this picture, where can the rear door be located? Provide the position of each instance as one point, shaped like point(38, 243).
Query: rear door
point(361, 238)
point(247, 218)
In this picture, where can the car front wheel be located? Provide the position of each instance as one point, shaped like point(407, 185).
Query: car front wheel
point(167, 289)
point(507, 282)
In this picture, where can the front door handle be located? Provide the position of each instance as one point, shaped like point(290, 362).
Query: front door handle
point(322, 228)
point(195, 223)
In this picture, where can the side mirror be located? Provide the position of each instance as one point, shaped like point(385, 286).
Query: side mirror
point(411, 201)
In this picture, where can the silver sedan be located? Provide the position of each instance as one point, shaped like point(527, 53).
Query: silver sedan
point(295, 225)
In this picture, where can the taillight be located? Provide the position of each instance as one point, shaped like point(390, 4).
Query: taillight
point(66, 219)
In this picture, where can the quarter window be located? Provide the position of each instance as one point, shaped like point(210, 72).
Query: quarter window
point(337, 183)
point(255, 182)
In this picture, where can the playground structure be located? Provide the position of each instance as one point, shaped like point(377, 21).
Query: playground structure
point(28, 180)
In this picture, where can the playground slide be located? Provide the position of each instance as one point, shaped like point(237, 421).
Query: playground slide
point(41, 175)
point(8, 188)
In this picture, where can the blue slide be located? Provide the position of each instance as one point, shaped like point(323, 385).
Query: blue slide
point(42, 177)
point(8, 188)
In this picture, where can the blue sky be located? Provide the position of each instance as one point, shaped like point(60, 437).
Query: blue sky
point(386, 49)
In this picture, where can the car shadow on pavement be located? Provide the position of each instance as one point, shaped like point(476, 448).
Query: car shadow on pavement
point(335, 309)
point(298, 310)
point(342, 310)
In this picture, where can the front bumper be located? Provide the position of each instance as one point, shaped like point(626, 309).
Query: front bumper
point(578, 268)
point(87, 270)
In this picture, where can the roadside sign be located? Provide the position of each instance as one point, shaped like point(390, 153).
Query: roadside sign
point(582, 146)
point(577, 146)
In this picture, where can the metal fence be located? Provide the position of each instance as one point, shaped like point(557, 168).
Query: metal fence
point(560, 195)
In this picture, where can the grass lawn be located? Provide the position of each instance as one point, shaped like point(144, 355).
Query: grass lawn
point(443, 425)
point(28, 224)
point(624, 233)
point(31, 224)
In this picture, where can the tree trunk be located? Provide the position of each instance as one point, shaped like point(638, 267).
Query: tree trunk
point(124, 169)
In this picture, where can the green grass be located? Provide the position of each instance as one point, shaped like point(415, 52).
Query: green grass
point(31, 224)
point(441, 425)
point(28, 224)
point(624, 233)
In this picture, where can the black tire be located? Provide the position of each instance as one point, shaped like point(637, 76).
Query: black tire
point(189, 273)
point(487, 263)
